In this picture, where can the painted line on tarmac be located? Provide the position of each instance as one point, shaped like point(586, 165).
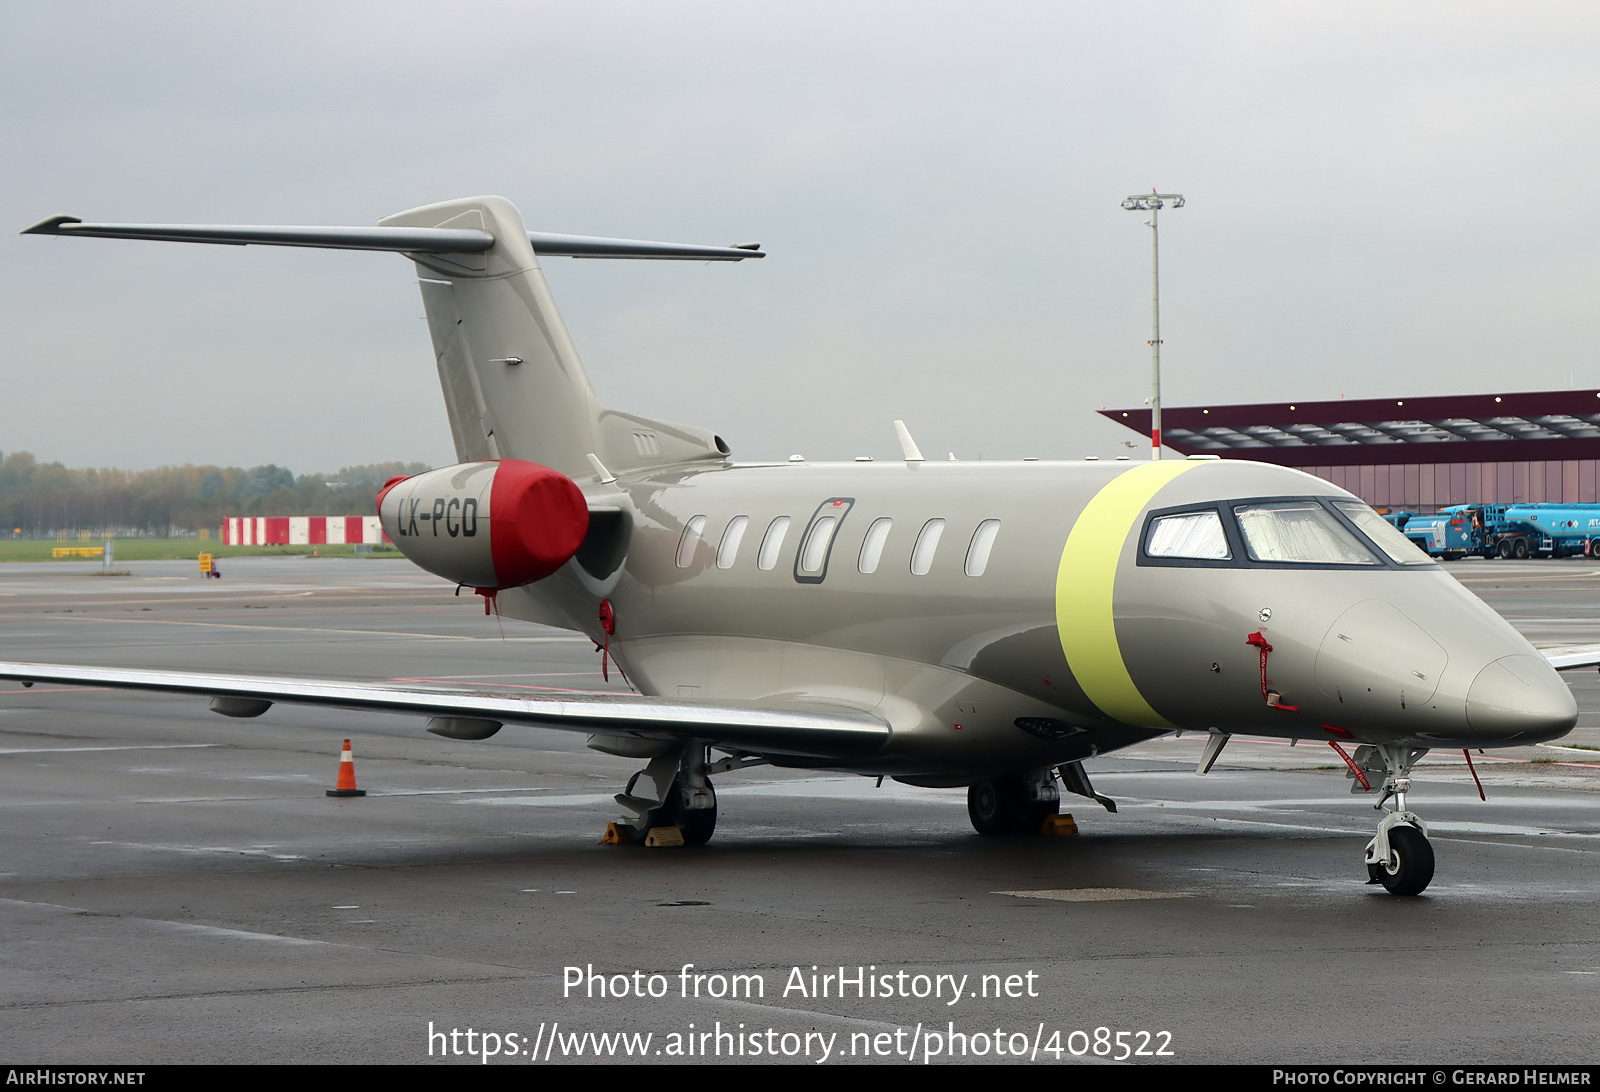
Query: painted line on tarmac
point(318, 629)
point(221, 933)
point(813, 1014)
point(459, 792)
point(546, 801)
point(140, 747)
point(1442, 827)
point(1526, 761)
point(1095, 894)
point(239, 851)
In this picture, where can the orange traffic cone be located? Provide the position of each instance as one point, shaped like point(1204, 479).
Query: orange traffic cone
point(346, 785)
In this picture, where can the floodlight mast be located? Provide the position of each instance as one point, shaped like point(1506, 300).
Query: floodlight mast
point(1153, 203)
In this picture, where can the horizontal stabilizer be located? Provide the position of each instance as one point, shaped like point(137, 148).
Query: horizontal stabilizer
point(404, 240)
point(591, 246)
point(812, 731)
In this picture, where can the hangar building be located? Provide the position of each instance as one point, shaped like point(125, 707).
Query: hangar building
point(1419, 454)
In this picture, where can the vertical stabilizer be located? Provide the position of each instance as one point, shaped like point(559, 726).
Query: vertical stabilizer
point(513, 385)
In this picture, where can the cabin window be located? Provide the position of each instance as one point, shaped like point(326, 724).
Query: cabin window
point(1383, 533)
point(690, 540)
point(1301, 532)
point(872, 545)
point(1196, 535)
point(728, 552)
point(772, 542)
point(927, 544)
point(815, 551)
point(982, 543)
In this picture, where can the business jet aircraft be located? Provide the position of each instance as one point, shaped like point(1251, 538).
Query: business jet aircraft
point(980, 624)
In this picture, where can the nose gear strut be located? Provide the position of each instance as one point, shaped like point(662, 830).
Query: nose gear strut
point(1400, 857)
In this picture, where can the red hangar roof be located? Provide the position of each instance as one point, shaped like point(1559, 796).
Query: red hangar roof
point(1466, 428)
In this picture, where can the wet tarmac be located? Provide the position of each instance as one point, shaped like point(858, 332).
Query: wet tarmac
point(175, 886)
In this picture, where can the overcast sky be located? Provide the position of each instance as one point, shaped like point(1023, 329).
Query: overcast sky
point(1384, 199)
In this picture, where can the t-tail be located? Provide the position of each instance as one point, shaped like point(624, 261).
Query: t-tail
point(514, 387)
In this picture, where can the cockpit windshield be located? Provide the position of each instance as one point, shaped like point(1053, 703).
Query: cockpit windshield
point(1299, 531)
point(1399, 548)
point(1330, 532)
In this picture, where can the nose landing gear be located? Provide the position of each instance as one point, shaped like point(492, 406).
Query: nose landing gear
point(1400, 857)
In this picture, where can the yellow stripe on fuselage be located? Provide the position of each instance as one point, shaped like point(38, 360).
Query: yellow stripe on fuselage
point(1085, 585)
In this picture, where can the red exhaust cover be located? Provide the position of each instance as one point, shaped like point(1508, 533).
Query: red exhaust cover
point(537, 521)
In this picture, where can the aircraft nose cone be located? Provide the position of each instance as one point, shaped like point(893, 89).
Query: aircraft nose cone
point(1520, 698)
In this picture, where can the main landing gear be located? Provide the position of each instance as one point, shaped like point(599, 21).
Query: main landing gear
point(1013, 804)
point(675, 792)
point(1020, 803)
point(1400, 857)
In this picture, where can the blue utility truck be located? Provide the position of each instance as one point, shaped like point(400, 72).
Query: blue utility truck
point(1544, 530)
point(1450, 535)
point(1509, 531)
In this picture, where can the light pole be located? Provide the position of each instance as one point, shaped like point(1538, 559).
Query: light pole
point(1153, 203)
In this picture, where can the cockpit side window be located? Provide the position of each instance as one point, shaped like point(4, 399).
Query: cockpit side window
point(1197, 535)
point(1299, 532)
point(1192, 537)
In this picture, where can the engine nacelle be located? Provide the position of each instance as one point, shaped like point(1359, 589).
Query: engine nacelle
point(488, 525)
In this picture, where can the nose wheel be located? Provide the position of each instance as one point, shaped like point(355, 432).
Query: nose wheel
point(1400, 857)
point(1408, 866)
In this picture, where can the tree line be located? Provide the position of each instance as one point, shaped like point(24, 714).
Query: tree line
point(40, 499)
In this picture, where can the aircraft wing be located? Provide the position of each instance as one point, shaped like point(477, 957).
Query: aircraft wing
point(811, 730)
point(1572, 656)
